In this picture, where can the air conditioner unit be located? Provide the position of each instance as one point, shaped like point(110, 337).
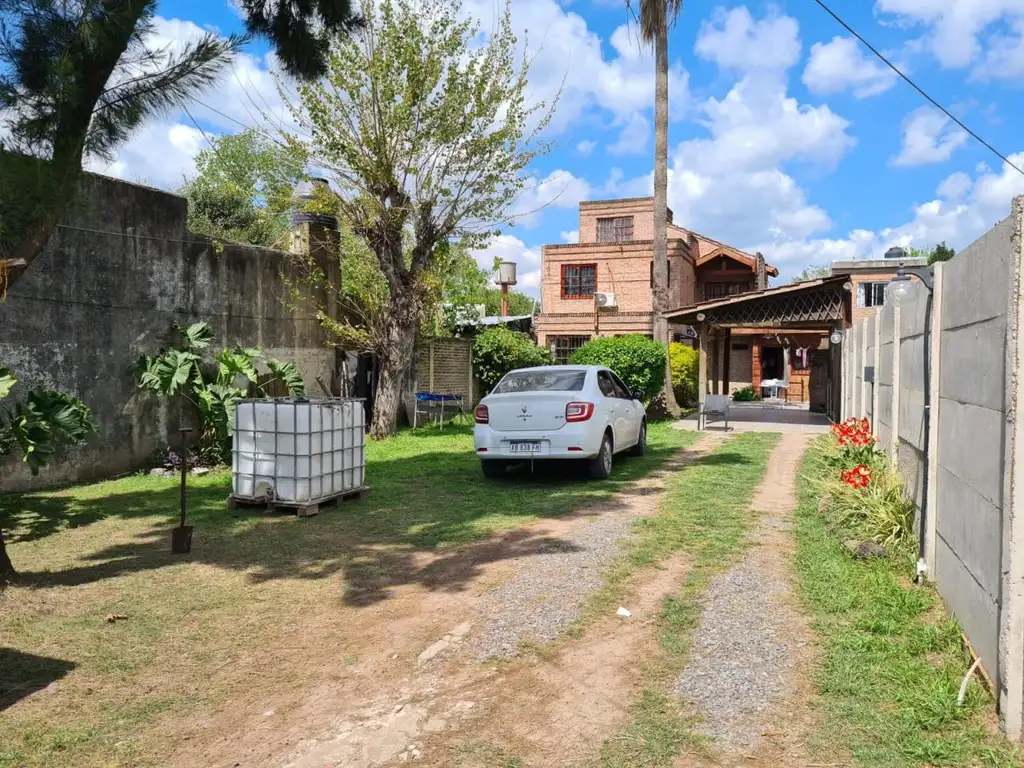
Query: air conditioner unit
point(605, 299)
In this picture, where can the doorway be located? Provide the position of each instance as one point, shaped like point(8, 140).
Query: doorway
point(773, 364)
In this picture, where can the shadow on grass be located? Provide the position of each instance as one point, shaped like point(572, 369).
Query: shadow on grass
point(428, 497)
point(22, 674)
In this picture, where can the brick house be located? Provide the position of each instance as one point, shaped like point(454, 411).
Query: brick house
point(869, 278)
point(614, 261)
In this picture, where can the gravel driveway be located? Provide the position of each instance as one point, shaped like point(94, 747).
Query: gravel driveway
point(751, 641)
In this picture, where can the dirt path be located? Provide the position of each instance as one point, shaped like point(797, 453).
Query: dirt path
point(411, 674)
point(748, 676)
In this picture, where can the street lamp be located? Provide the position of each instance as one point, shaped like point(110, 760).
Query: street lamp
point(898, 291)
point(506, 277)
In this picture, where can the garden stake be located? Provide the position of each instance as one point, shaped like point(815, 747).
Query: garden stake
point(181, 537)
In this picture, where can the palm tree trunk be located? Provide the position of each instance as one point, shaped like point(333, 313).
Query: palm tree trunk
point(661, 330)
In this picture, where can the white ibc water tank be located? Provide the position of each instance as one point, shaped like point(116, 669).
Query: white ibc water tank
point(298, 451)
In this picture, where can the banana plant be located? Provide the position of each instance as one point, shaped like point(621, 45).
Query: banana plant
point(43, 422)
point(216, 385)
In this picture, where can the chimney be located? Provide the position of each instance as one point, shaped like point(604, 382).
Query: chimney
point(762, 273)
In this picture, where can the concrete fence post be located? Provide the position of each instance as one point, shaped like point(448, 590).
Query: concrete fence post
point(865, 385)
point(875, 388)
point(855, 358)
point(894, 449)
point(932, 501)
point(1011, 618)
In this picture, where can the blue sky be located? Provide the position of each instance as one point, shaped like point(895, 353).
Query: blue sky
point(787, 136)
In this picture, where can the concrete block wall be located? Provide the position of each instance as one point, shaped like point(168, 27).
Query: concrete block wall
point(973, 459)
point(119, 272)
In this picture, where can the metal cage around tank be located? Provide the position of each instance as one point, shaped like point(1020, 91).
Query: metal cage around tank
point(298, 451)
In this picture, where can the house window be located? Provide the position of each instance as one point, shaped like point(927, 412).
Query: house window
point(579, 281)
point(616, 230)
point(562, 347)
point(871, 295)
point(669, 274)
point(723, 290)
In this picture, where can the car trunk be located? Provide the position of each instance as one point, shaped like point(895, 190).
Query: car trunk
point(528, 411)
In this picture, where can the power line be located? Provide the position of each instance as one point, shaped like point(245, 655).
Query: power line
point(918, 88)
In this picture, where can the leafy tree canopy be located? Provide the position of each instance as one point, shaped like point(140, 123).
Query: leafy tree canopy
point(243, 188)
point(813, 272)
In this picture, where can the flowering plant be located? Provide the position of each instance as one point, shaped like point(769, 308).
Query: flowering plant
point(856, 443)
point(858, 477)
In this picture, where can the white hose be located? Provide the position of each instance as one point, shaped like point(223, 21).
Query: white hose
point(963, 685)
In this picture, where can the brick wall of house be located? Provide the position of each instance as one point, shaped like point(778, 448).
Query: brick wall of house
point(860, 313)
point(640, 208)
point(623, 269)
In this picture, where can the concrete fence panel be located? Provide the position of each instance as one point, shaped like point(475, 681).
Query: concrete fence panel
point(971, 455)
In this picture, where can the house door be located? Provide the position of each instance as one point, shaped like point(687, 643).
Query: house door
point(819, 380)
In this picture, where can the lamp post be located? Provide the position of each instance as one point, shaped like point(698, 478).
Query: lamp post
point(897, 292)
point(506, 277)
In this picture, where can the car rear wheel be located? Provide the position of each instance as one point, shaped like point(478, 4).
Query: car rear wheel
point(493, 468)
point(601, 465)
point(641, 444)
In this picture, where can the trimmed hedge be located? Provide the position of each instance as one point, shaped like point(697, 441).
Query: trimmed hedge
point(640, 362)
point(499, 350)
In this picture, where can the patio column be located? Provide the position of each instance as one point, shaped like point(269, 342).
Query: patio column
point(727, 346)
point(702, 364)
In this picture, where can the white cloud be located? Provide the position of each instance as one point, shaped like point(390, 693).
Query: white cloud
point(928, 137)
point(1004, 59)
point(572, 236)
point(633, 138)
point(160, 154)
point(559, 189)
point(734, 40)
point(732, 184)
point(511, 248)
point(585, 147)
point(964, 209)
point(842, 65)
point(955, 27)
point(567, 57)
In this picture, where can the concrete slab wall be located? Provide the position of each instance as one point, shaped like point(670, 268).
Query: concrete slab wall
point(869, 362)
point(973, 543)
point(116, 276)
point(971, 435)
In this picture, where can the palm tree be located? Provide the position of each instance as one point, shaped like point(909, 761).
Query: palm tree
point(656, 17)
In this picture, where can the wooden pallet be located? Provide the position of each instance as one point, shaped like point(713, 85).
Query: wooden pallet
point(302, 510)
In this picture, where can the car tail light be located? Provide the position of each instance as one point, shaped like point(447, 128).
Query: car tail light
point(578, 411)
point(481, 415)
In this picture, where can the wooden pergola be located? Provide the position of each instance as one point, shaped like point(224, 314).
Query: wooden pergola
point(813, 305)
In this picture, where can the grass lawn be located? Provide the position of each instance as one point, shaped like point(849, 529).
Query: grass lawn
point(206, 629)
point(891, 659)
point(705, 513)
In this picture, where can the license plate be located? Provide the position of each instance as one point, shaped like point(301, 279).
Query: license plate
point(524, 446)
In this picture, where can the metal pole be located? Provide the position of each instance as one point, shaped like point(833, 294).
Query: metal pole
point(504, 300)
point(184, 471)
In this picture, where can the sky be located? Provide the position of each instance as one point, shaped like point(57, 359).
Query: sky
point(786, 135)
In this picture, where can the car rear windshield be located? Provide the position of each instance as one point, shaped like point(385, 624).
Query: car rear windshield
point(541, 381)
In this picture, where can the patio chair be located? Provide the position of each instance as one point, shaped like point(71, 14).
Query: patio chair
point(715, 406)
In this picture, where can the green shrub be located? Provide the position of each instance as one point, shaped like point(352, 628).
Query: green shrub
point(499, 350)
point(640, 362)
point(745, 395)
point(683, 361)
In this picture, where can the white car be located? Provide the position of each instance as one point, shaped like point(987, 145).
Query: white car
point(559, 412)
